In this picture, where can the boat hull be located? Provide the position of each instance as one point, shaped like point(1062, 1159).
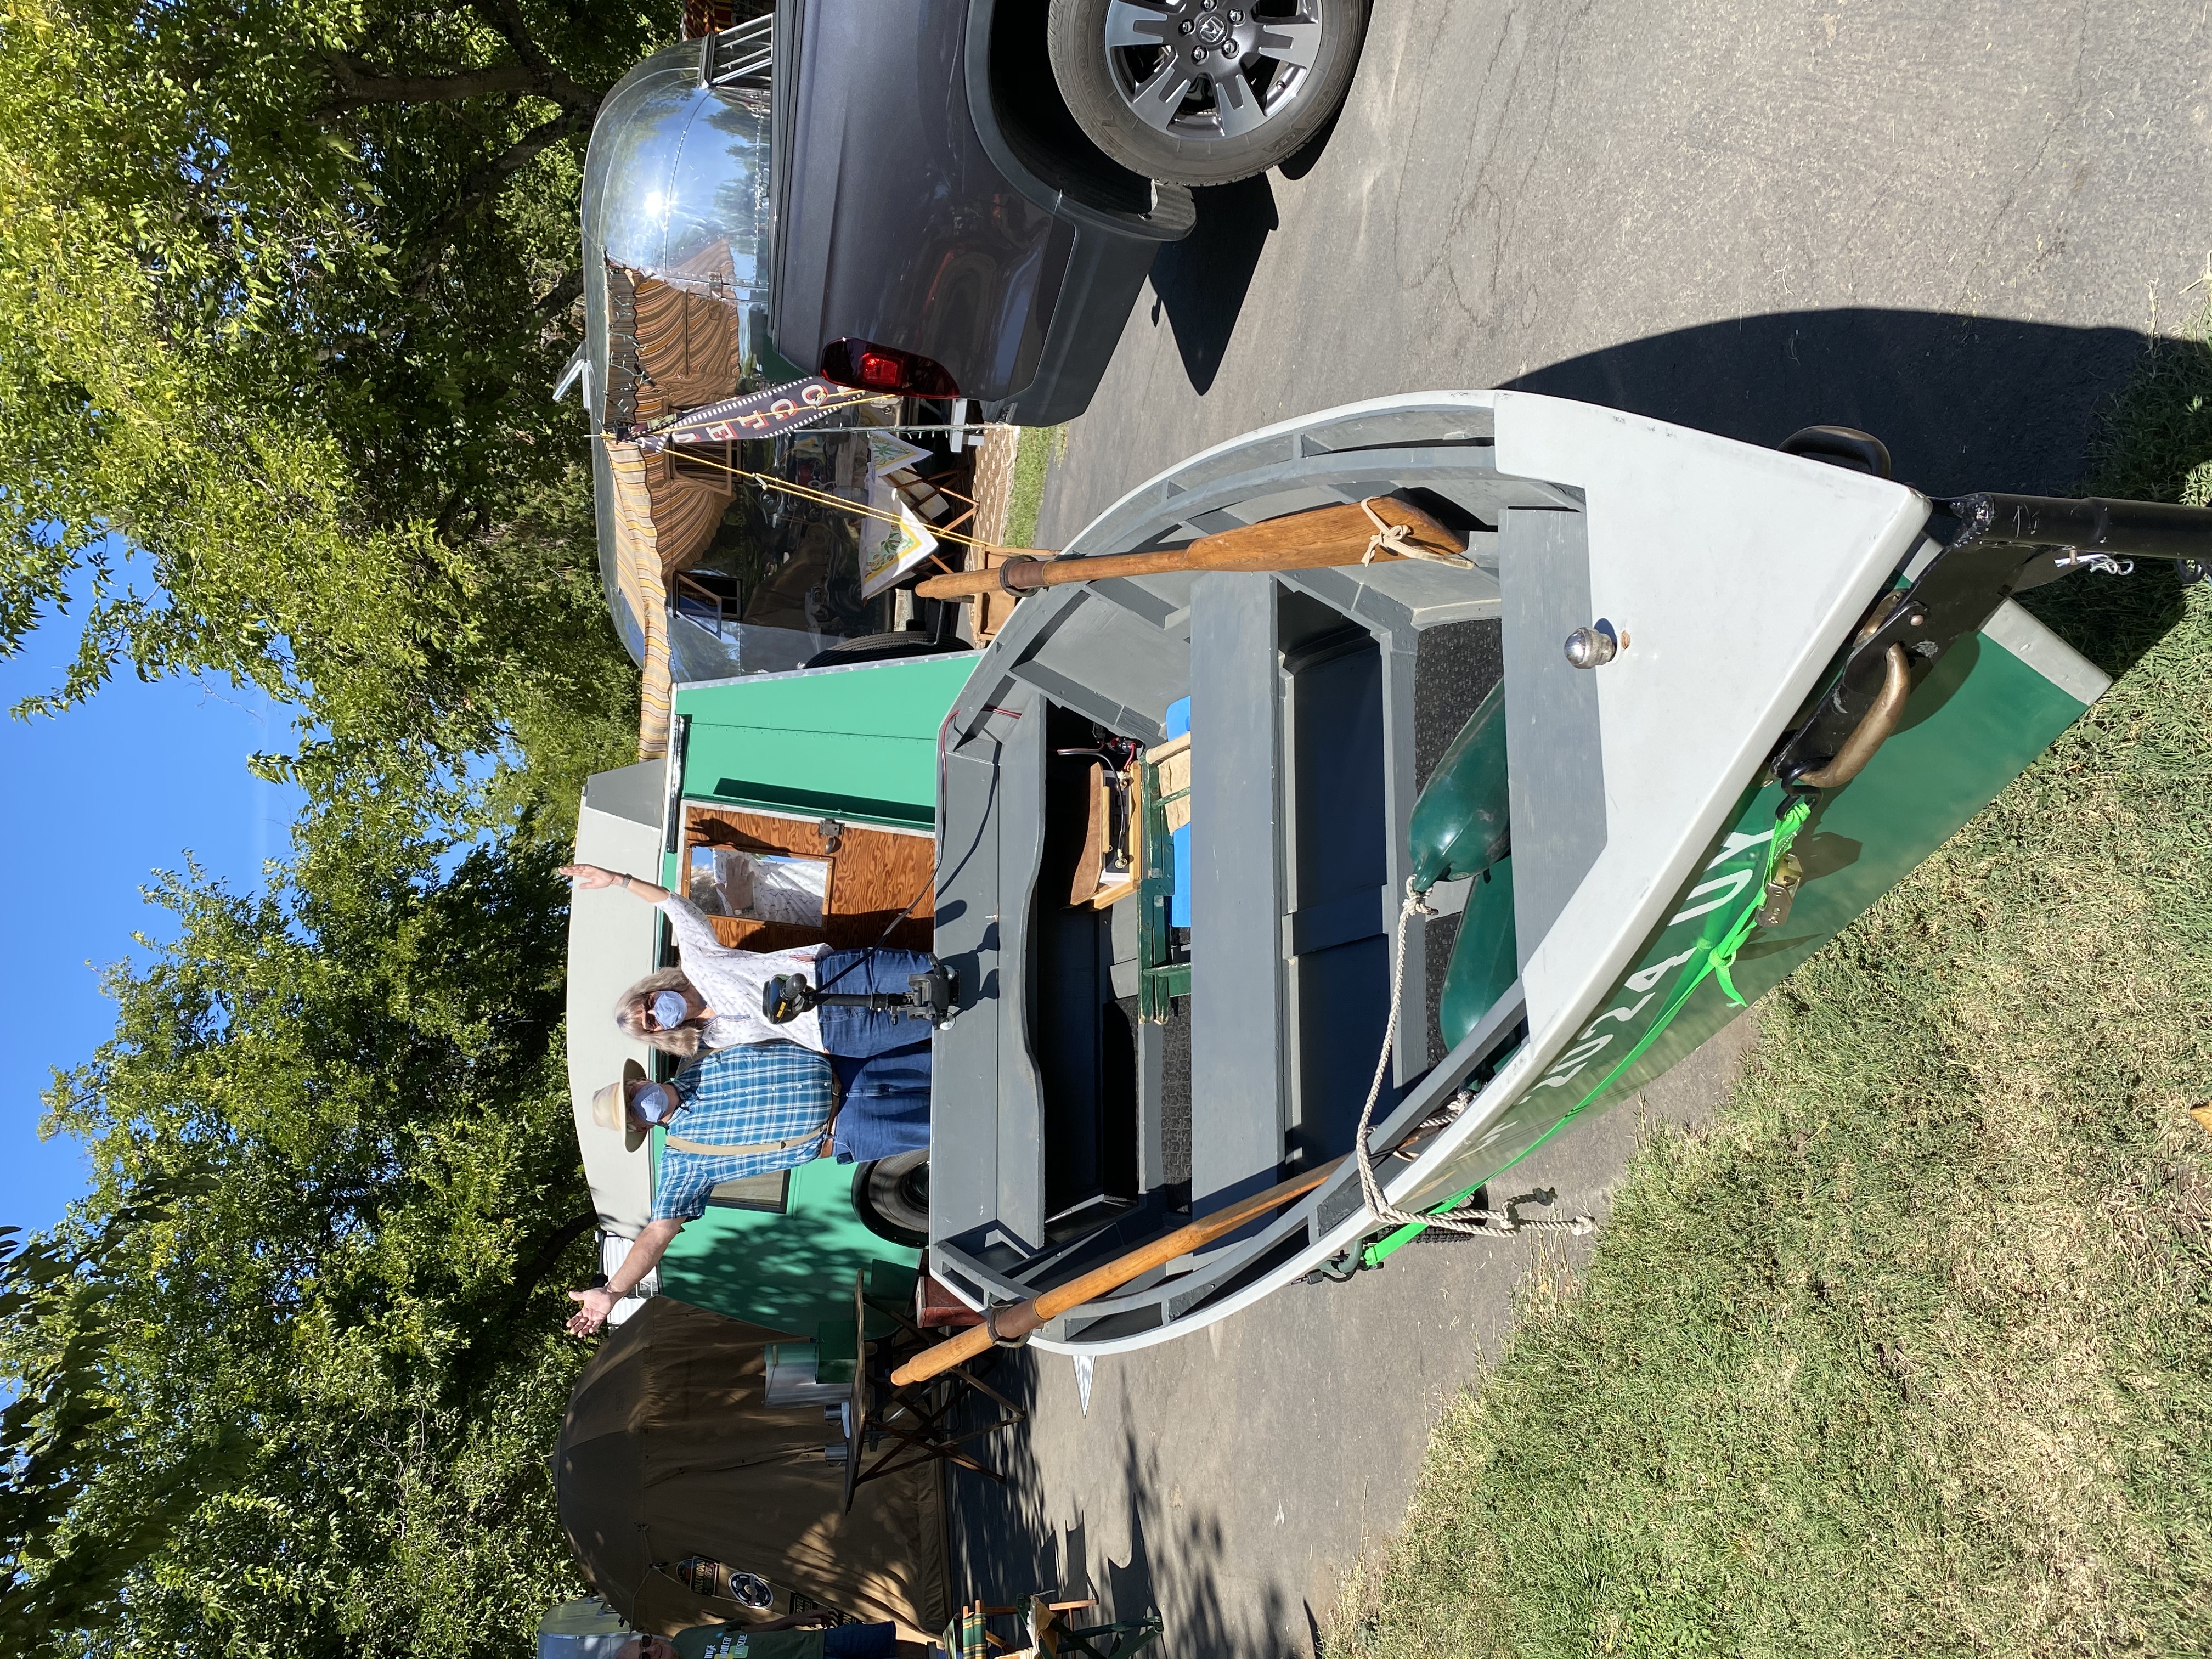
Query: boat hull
point(1641, 826)
point(1997, 702)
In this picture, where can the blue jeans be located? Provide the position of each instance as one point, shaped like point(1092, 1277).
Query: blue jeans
point(857, 1033)
point(881, 1060)
point(859, 1642)
point(886, 1108)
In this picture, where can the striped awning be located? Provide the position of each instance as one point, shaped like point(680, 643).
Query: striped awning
point(638, 576)
point(670, 348)
point(689, 496)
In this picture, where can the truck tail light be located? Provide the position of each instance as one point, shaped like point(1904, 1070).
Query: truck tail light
point(886, 368)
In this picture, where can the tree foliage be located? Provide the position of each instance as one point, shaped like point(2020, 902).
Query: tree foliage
point(337, 1362)
point(284, 286)
point(284, 289)
point(60, 1428)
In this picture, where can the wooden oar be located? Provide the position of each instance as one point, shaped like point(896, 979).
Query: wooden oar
point(1018, 1319)
point(1296, 541)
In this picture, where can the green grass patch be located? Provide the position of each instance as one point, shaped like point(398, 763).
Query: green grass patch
point(1040, 446)
point(1909, 1351)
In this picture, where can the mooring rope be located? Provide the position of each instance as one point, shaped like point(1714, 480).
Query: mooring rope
point(1472, 1222)
point(861, 509)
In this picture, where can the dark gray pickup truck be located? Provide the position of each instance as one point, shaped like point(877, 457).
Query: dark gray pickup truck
point(940, 224)
point(901, 195)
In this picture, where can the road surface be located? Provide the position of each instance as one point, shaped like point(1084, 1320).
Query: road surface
point(1951, 224)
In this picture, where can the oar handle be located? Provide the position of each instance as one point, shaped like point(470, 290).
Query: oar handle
point(1015, 1321)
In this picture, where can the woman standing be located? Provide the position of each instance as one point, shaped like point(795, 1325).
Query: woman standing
point(880, 1060)
point(713, 1000)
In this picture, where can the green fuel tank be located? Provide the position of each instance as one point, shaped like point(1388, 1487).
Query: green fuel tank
point(1459, 824)
point(1485, 956)
point(1459, 832)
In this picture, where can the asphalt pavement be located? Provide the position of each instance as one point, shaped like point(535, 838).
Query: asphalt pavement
point(1948, 224)
point(1230, 1477)
point(1953, 225)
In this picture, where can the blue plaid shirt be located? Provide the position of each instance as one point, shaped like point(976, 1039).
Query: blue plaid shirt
point(736, 1096)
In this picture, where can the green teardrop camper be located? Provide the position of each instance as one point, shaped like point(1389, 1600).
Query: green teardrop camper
point(833, 765)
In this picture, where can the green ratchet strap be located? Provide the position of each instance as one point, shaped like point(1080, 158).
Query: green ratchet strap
point(1714, 958)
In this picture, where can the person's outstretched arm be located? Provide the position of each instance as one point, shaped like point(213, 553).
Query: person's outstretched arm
point(695, 935)
point(596, 1303)
point(795, 1620)
point(590, 875)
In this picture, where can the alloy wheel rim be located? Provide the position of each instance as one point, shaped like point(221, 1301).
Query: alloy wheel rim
point(1210, 70)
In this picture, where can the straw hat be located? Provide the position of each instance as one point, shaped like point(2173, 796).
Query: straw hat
point(611, 1107)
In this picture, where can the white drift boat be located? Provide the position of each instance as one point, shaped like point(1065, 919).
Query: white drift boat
point(1687, 707)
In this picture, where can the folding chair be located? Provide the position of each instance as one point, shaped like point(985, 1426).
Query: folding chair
point(912, 1418)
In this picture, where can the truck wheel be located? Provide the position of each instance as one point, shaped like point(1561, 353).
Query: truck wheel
point(891, 1196)
point(1204, 92)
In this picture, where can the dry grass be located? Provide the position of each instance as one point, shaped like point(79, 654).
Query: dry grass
point(1910, 1353)
point(1041, 446)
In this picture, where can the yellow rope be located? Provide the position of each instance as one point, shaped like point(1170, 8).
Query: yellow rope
point(822, 497)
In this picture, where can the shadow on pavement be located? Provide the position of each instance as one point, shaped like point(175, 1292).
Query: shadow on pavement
point(1963, 403)
point(1201, 281)
point(1008, 1540)
point(1307, 156)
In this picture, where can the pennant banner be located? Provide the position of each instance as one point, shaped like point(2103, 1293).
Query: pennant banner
point(890, 454)
point(905, 546)
point(757, 415)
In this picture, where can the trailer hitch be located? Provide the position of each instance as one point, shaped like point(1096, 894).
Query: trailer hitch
point(2003, 544)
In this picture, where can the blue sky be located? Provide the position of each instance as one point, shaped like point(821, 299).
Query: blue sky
point(91, 804)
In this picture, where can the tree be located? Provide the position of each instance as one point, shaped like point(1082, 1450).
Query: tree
point(360, 1076)
point(55, 1571)
point(284, 289)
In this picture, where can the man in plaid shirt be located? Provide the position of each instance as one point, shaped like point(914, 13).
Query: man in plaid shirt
point(739, 1111)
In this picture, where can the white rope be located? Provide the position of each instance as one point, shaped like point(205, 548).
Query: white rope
point(1397, 539)
point(1476, 1223)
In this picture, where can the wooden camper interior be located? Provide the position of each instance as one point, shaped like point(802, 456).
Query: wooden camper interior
point(875, 873)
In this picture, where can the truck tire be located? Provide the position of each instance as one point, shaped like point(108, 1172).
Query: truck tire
point(892, 1197)
point(1268, 81)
